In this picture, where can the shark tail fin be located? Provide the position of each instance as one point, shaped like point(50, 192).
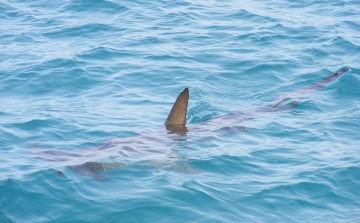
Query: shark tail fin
point(290, 100)
point(177, 115)
point(322, 83)
point(334, 75)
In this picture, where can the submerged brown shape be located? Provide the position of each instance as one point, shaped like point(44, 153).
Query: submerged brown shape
point(177, 114)
point(156, 148)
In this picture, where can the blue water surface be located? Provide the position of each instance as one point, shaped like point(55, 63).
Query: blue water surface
point(77, 74)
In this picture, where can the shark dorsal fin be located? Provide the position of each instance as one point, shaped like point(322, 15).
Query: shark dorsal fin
point(177, 115)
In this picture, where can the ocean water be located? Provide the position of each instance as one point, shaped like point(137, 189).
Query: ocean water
point(78, 74)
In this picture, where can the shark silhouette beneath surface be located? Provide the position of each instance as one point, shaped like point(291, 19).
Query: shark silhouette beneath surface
point(153, 148)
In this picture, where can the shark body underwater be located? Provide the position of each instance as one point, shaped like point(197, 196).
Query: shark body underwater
point(155, 148)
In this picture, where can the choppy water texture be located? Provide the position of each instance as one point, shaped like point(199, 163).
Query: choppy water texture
point(76, 74)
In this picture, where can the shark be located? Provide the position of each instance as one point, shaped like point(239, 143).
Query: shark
point(156, 148)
